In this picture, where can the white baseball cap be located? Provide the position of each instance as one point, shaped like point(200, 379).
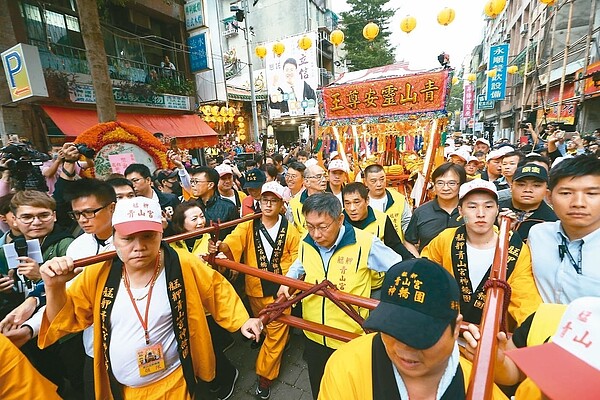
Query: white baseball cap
point(138, 214)
point(337, 165)
point(477, 184)
point(333, 154)
point(568, 367)
point(460, 153)
point(472, 159)
point(273, 187)
point(492, 155)
point(483, 140)
point(223, 169)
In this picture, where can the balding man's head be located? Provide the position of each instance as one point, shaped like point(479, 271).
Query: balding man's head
point(315, 179)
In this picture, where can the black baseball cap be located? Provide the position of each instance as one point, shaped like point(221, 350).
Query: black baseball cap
point(419, 299)
point(531, 171)
point(165, 174)
point(255, 178)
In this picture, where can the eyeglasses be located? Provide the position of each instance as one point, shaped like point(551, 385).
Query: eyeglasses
point(196, 181)
point(317, 177)
point(450, 184)
point(321, 229)
point(291, 176)
point(269, 201)
point(88, 214)
point(28, 218)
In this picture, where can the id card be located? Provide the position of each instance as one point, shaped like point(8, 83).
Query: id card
point(150, 359)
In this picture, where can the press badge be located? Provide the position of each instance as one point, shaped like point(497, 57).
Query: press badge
point(150, 359)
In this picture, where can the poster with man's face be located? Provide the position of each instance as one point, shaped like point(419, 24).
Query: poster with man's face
point(292, 78)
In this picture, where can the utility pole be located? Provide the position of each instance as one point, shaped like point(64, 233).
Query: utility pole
point(250, 72)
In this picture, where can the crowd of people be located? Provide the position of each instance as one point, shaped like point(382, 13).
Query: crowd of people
point(155, 319)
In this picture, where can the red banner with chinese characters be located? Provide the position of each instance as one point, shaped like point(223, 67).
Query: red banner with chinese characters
point(589, 87)
point(568, 106)
point(405, 95)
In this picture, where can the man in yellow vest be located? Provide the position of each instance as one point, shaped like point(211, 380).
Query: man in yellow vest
point(414, 352)
point(336, 251)
point(389, 201)
point(315, 181)
point(361, 215)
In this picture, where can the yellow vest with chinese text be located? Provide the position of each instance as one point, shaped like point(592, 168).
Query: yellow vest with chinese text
point(377, 228)
point(395, 208)
point(347, 270)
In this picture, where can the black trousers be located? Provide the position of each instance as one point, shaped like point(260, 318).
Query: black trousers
point(225, 371)
point(316, 356)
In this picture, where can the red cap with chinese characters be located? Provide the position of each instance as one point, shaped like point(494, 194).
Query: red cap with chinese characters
point(569, 366)
point(137, 215)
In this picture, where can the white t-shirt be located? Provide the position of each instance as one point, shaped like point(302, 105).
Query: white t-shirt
point(273, 233)
point(378, 204)
point(480, 261)
point(127, 334)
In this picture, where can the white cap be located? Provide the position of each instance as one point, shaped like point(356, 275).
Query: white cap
point(460, 153)
point(223, 169)
point(492, 155)
point(337, 165)
point(567, 367)
point(273, 187)
point(483, 140)
point(472, 158)
point(477, 184)
point(310, 162)
point(333, 154)
point(138, 214)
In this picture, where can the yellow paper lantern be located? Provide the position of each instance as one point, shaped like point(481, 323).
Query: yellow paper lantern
point(493, 8)
point(491, 73)
point(513, 69)
point(219, 119)
point(304, 43)
point(260, 51)
point(408, 23)
point(471, 77)
point(241, 124)
point(446, 16)
point(240, 119)
point(231, 111)
point(242, 137)
point(206, 110)
point(223, 111)
point(241, 131)
point(548, 2)
point(215, 110)
point(454, 80)
point(370, 31)
point(336, 37)
point(278, 48)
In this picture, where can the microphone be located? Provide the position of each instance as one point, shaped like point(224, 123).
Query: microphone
point(22, 251)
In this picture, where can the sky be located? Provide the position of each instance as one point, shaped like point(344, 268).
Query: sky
point(421, 47)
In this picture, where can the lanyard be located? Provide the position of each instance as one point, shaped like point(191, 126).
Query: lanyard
point(564, 250)
point(143, 321)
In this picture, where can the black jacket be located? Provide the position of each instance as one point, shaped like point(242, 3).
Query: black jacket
point(219, 209)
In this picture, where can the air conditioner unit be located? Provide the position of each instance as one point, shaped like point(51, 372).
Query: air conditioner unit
point(524, 29)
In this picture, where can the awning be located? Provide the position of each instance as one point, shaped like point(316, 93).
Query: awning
point(190, 130)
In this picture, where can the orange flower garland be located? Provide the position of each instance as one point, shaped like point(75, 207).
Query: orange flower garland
point(106, 133)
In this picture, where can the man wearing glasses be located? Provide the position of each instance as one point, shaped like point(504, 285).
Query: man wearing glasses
point(205, 181)
point(92, 202)
point(35, 217)
point(139, 175)
point(315, 181)
point(336, 251)
point(270, 244)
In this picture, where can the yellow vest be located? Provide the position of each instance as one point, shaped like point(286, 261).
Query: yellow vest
point(347, 270)
point(377, 228)
point(296, 206)
point(395, 208)
point(544, 325)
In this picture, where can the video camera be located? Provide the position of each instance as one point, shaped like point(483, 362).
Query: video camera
point(23, 162)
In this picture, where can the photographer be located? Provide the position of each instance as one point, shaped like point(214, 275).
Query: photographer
point(532, 136)
point(23, 163)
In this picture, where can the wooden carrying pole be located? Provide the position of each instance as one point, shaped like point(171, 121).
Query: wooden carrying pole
point(82, 262)
point(482, 377)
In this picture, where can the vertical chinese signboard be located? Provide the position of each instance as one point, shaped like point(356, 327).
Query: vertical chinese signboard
point(496, 85)
point(468, 100)
point(406, 95)
point(198, 52)
point(292, 78)
point(194, 14)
